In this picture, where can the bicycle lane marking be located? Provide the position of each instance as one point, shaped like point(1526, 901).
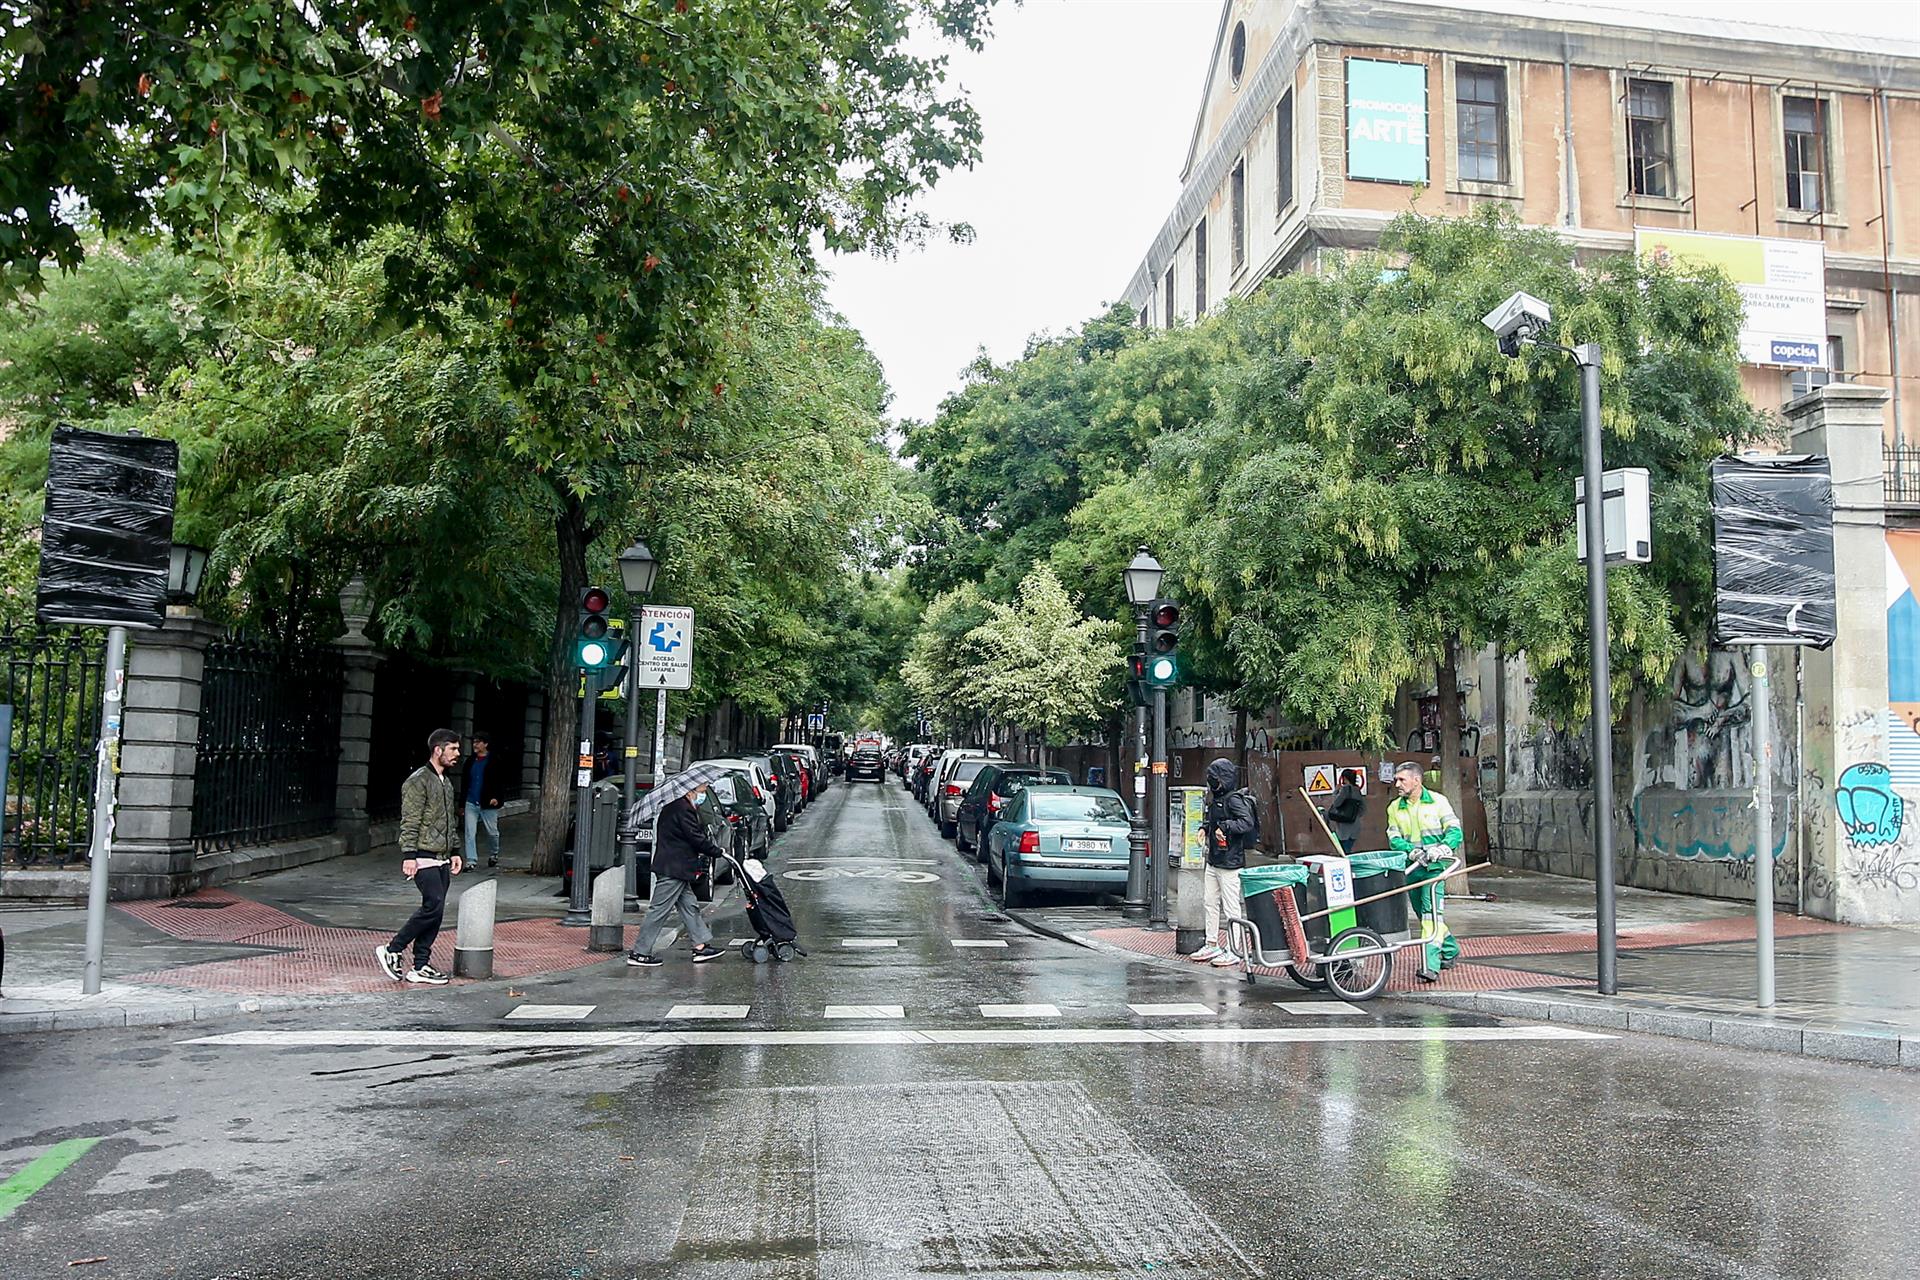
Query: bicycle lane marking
point(44, 1168)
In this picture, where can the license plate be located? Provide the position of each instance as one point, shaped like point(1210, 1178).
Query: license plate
point(1086, 846)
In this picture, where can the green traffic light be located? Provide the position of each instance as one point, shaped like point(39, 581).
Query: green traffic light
point(592, 654)
point(1163, 672)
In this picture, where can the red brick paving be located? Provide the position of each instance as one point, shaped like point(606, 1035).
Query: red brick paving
point(1462, 977)
point(311, 959)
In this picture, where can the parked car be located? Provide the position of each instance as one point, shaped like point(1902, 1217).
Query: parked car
point(910, 760)
point(1059, 838)
point(866, 766)
point(745, 813)
point(804, 779)
point(923, 773)
point(987, 799)
point(787, 773)
point(810, 758)
point(956, 775)
point(766, 779)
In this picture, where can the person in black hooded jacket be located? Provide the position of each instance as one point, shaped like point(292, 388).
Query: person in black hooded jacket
point(681, 849)
point(1231, 828)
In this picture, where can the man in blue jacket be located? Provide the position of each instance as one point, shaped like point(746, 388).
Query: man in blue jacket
point(681, 850)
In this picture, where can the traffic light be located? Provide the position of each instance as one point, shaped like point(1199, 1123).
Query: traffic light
point(593, 649)
point(1163, 645)
point(1137, 678)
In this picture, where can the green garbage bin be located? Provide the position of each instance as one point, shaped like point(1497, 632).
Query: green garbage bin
point(1377, 872)
point(1257, 887)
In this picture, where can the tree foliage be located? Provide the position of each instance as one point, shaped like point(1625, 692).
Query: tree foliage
point(1043, 664)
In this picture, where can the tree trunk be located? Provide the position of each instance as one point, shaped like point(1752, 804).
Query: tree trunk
point(563, 703)
point(1451, 777)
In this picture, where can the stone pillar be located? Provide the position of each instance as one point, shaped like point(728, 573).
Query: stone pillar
point(532, 743)
point(360, 661)
point(153, 824)
point(1846, 690)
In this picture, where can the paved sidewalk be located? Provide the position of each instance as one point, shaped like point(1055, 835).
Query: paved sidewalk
point(299, 938)
point(1686, 968)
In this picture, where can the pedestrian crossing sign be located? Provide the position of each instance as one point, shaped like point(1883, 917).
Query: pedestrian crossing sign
point(1319, 778)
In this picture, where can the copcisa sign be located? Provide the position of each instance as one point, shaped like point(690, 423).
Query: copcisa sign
point(1386, 120)
point(1782, 285)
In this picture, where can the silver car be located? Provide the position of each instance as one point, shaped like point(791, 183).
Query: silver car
point(957, 772)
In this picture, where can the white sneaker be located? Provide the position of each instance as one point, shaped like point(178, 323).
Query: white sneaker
point(1225, 959)
point(429, 975)
point(1205, 953)
point(389, 963)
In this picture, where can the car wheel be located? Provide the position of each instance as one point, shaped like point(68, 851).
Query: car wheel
point(949, 829)
point(1010, 895)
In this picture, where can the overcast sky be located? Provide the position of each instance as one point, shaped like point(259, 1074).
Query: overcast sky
point(1088, 106)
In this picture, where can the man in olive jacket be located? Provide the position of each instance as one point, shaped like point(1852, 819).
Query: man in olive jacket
point(681, 849)
point(430, 842)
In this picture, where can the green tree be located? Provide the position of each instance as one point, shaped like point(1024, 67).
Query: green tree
point(1045, 665)
point(944, 664)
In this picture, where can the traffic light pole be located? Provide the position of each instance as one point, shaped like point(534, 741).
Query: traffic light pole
point(629, 780)
point(1137, 839)
point(580, 904)
point(1157, 811)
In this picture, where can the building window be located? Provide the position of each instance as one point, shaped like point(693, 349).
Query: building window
point(1804, 121)
point(1199, 268)
point(1166, 295)
point(1650, 138)
point(1801, 381)
point(1237, 200)
point(1237, 52)
point(1283, 145)
point(1481, 96)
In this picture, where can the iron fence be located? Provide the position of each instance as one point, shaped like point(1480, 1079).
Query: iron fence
point(1900, 464)
point(53, 683)
point(269, 750)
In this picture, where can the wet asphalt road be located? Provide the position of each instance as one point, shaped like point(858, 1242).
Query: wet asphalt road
point(771, 1150)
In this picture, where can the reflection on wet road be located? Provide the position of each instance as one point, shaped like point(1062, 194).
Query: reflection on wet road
point(934, 1091)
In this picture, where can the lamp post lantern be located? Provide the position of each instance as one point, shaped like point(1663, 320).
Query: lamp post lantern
point(638, 569)
point(1142, 577)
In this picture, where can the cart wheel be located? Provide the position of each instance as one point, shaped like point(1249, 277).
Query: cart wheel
point(1363, 977)
point(1308, 976)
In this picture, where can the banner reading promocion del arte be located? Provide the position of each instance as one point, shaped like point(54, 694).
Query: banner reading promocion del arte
point(1386, 120)
point(1783, 283)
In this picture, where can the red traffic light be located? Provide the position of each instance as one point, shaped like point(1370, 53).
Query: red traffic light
point(1137, 666)
point(1166, 614)
point(595, 600)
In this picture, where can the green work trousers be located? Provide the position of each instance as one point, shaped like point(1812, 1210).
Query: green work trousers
point(1430, 903)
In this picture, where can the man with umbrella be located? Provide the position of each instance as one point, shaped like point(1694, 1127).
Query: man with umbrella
point(681, 850)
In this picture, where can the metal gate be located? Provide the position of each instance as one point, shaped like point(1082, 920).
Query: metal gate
point(52, 682)
point(268, 764)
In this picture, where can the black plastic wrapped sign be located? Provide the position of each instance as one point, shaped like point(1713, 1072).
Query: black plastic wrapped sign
point(1773, 551)
point(108, 529)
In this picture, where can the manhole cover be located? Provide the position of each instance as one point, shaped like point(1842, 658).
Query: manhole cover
point(189, 904)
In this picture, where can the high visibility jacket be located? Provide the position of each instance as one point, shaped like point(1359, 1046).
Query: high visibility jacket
point(1428, 820)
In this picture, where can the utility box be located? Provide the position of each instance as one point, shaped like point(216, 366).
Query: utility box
point(1186, 815)
point(1626, 514)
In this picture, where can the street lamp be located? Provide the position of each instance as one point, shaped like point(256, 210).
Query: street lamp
point(638, 569)
point(1520, 321)
point(1142, 577)
point(186, 566)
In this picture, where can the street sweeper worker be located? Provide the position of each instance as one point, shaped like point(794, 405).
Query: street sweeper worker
point(1422, 825)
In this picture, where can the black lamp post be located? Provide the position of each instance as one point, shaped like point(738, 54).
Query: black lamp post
point(638, 569)
point(1142, 576)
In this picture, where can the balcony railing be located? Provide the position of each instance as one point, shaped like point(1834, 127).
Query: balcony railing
point(1901, 467)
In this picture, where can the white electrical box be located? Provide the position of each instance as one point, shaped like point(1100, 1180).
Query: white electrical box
point(1626, 513)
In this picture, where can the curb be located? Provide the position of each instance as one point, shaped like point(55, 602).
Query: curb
point(1833, 1042)
point(160, 1013)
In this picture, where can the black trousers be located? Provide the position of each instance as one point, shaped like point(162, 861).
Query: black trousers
point(423, 926)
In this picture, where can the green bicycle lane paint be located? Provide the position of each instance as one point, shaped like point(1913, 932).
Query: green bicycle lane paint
point(18, 1189)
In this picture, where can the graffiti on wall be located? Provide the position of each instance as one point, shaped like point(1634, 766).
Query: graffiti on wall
point(1871, 811)
point(1707, 739)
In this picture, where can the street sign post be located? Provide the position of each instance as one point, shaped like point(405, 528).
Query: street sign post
point(662, 652)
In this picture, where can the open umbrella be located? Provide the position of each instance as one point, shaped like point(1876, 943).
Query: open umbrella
point(647, 807)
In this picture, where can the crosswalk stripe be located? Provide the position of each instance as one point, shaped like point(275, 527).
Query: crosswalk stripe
point(869, 942)
point(1175, 1009)
point(708, 1011)
point(550, 1012)
point(347, 1038)
point(979, 942)
point(1319, 1008)
point(1019, 1010)
point(864, 1011)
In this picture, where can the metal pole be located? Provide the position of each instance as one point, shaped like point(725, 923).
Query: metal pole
point(1136, 899)
point(1157, 811)
point(106, 769)
point(580, 904)
point(659, 737)
point(1762, 828)
point(630, 760)
point(1587, 355)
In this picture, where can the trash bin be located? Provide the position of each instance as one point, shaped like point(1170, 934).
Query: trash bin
point(1378, 872)
point(1257, 887)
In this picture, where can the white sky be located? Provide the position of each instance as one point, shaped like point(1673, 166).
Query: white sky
point(1087, 107)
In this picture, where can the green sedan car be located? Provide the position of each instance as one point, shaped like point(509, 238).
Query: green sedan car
point(1059, 839)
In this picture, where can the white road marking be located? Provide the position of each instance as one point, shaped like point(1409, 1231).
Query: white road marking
point(1319, 1008)
point(862, 872)
point(552, 1012)
point(979, 942)
point(864, 1011)
point(708, 1011)
point(350, 1038)
point(869, 942)
point(1019, 1010)
point(905, 862)
point(1175, 1010)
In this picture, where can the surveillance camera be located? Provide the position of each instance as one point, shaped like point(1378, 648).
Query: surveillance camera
point(1518, 319)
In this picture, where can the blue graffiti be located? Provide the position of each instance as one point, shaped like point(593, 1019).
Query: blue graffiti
point(1870, 809)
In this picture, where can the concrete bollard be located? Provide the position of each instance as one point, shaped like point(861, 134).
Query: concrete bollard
point(473, 941)
point(609, 905)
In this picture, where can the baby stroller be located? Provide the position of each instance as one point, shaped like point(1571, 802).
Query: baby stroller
point(767, 912)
